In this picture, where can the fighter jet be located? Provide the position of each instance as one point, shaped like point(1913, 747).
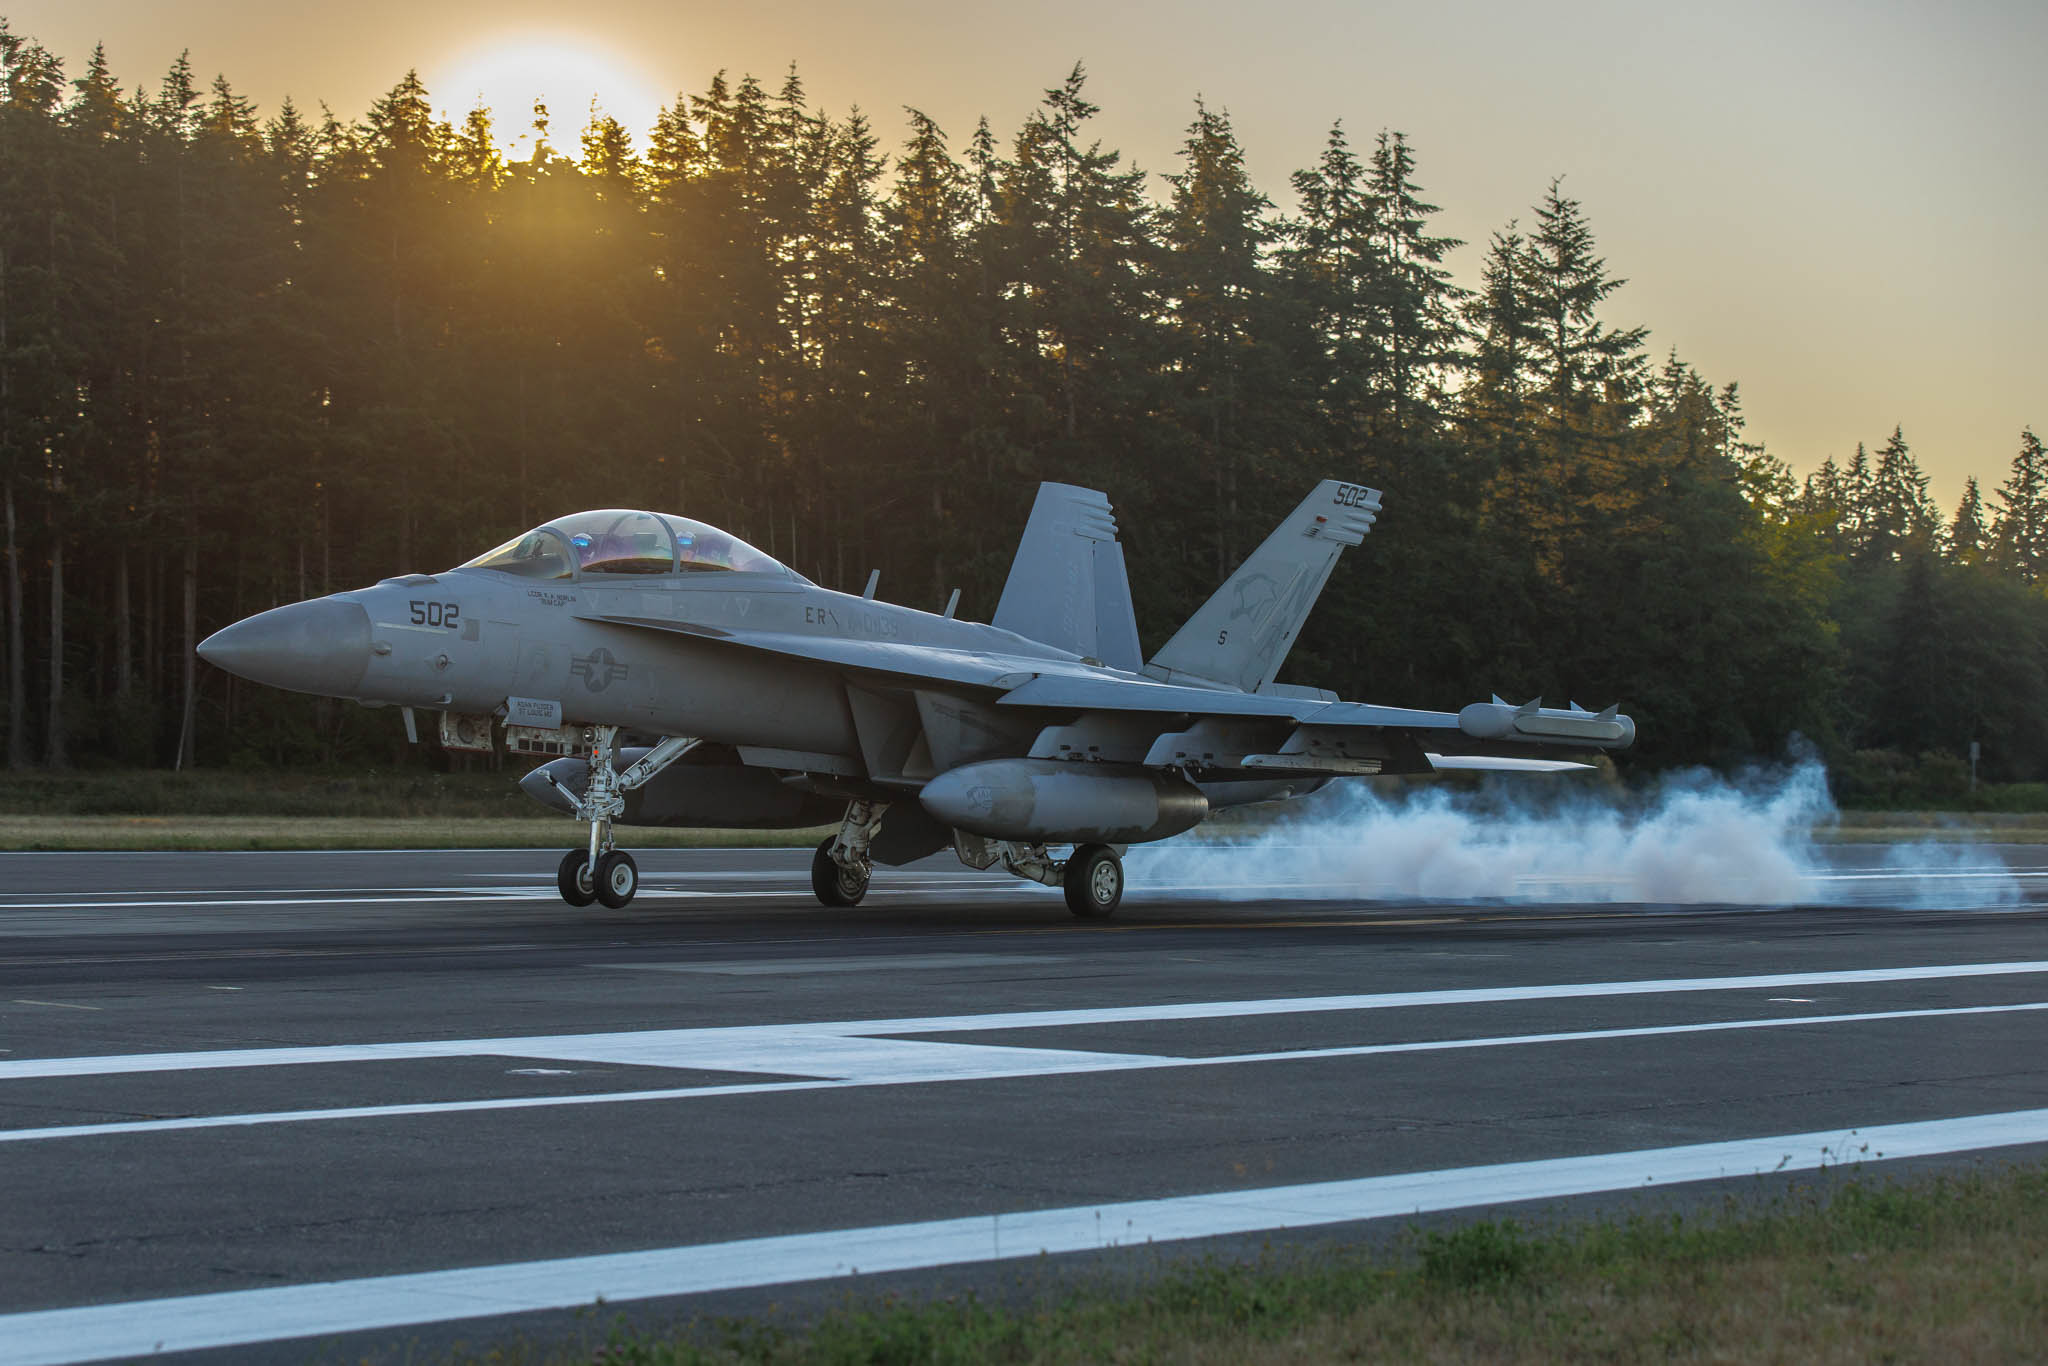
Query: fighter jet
point(765, 701)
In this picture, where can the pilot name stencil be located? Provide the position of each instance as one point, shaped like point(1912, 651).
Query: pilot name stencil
point(598, 669)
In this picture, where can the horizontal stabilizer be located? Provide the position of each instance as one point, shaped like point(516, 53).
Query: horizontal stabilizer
point(1068, 587)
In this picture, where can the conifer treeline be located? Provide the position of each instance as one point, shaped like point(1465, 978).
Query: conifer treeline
point(246, 360)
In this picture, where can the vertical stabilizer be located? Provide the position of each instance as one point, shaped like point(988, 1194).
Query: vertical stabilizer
point(1239, 637)
point(1068, 587)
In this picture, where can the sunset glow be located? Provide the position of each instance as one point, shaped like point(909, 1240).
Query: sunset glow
point(508, 74)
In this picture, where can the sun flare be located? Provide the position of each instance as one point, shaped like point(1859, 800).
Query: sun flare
point(508, 75)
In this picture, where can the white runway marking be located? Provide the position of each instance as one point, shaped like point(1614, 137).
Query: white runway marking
point(853, 1062)
point(411, 896)
point(765, 1048)
point(59, 1337)
point(865, 962)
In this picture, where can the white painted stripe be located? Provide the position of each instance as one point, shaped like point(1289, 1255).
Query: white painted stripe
point(648, 892)
point(756, 1044)
point(1290, 1005)
point(59, 1337)
point(962, 1062)
point(845, 962)
point(490, 894)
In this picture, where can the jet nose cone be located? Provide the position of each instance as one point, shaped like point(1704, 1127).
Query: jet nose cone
point(322, 646)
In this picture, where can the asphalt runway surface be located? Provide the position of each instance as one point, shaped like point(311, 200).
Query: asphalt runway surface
point(281, 1107)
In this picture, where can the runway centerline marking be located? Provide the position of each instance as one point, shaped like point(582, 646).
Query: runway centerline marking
point(862, 1062)
point(61, 1337)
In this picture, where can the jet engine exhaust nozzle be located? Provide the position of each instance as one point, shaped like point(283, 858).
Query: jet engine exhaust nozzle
point(321, 646)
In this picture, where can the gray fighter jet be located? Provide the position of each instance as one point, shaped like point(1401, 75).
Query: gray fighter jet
point(773, 703)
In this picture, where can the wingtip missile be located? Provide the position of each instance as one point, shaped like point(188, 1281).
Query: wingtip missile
point(1499, 720)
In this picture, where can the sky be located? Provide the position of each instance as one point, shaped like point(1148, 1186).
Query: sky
point(1841, 206)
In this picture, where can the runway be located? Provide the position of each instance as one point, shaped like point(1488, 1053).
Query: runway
point(254, 1104)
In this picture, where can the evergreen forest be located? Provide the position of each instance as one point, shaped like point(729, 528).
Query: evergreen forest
point(250, 357)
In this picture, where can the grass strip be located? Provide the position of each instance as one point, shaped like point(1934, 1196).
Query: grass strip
point(354, 832)
point(1947, 1268)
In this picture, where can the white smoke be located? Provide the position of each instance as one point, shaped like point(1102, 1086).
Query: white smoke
point(1695, 839)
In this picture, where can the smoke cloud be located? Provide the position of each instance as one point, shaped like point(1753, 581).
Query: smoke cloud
point(1695, 839)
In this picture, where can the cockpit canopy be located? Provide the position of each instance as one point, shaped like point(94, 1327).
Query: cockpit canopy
point(622, 541)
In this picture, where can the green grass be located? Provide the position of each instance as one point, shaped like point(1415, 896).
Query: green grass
point(1944, 1269)
point(1941, 827)
point(226, 809)
point(419, 808)
point(360, 832)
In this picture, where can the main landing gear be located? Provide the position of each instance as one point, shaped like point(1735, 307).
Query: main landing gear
point(1092, 876)
point(842, 866)
point(601, 872)
point(1093, 879)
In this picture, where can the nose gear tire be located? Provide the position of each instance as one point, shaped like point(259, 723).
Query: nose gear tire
point(618, 878)
point(834, 885)
point(573, 878)
point(1094, 882)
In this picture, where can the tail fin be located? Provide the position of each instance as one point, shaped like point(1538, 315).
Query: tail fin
point(1068, 587)
point(1240, 636)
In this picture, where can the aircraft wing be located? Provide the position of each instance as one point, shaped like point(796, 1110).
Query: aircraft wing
point(1265, 735)
point(1133, 719)
point(989, 669)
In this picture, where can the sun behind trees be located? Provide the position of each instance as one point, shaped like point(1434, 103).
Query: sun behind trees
point(246, 360)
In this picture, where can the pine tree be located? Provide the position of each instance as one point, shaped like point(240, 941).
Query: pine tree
point(1857, 505)
point(1417, 303)
point(1899, 508)
point(1966, 534)
point(1216, 232)
point(2019, 527)
point(1335, 273)
point(472, 152)
point(1080, 232)
point(1579, 360)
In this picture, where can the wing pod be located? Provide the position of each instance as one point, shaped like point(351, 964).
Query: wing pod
point(1051, 801)
point(1498, 720)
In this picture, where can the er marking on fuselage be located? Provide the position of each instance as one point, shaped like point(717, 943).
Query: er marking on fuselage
point(774, 703)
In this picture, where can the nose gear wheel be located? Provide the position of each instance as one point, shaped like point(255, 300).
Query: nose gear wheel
point(573, 880)
point(618, 878)
point(599, 872)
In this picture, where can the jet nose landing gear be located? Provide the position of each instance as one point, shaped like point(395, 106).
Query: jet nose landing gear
point(600, 872)
point(616, 880)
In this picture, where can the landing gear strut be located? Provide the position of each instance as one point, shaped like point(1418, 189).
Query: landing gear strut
point(841, 868)
point(1092, 877)
point(600, 872)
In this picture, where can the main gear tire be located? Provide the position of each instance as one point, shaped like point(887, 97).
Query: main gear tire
point(834, 885)
point(618, 878)
point(573, 878)
point(1094, 882)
